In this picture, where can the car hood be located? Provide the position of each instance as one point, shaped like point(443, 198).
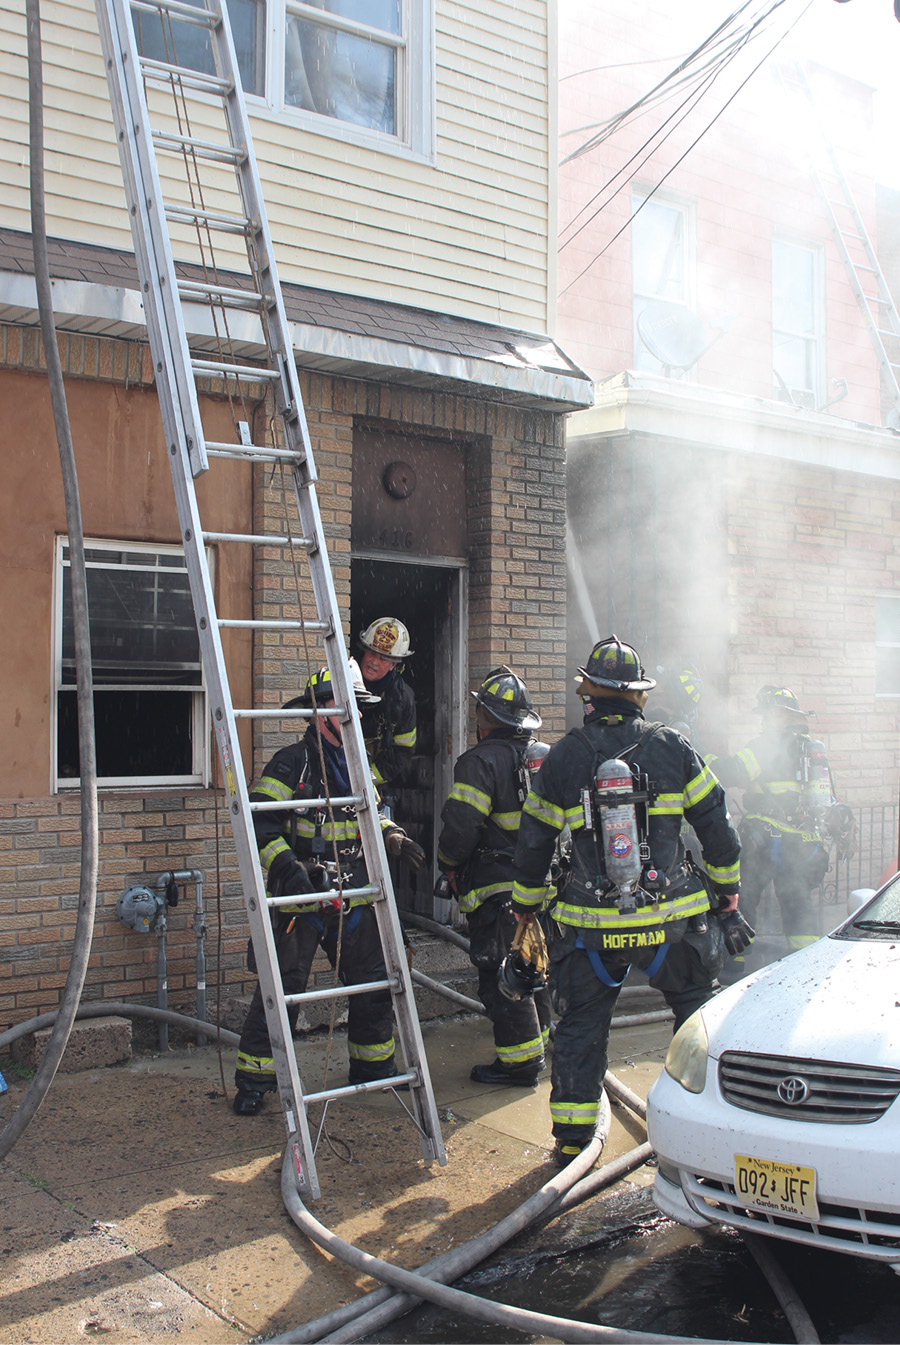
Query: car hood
point(834, 1000)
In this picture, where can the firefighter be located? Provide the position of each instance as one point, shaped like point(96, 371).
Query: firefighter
point(294, 846)
point(676, 701)
point(475, 849)
point(389, 726)
point(786, 814)
point(630, 896)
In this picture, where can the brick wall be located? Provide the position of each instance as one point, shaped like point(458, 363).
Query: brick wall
point(516, 503)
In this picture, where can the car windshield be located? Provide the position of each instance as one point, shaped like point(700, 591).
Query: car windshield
point(879, 918)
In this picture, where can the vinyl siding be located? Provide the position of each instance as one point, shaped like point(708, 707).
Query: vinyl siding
point(466, 234)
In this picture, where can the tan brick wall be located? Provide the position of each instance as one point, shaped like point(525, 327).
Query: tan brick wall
point(516, 501)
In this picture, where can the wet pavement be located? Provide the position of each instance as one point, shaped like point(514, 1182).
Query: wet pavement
point(137, 1205)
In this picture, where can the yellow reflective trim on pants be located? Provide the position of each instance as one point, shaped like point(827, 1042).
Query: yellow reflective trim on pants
point(255, 1064)
point(798, 941)
point(377, 1051)
point(523, 1053)
point(575, 1113)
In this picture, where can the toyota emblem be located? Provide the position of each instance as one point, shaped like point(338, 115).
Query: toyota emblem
point(793, 1090)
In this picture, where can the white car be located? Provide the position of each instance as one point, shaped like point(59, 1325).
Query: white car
point(777, 1109)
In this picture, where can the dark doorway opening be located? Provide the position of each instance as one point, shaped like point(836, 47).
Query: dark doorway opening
point(427, 599)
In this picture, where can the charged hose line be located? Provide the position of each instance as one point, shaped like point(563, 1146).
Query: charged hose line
point(796, 1314)
point(90, 841)
point(103, 1009)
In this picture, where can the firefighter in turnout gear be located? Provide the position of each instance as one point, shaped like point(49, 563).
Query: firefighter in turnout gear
point(389, 722)
point(788, 804)
point(475, 849)
point(631, 896)
point(294, 847)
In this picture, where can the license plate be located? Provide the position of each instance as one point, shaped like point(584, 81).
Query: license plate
point(783, 1188)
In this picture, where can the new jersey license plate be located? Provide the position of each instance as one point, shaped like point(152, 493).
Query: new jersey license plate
point(782, 1188)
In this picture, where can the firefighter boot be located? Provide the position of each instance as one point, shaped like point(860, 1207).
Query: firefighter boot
point(518, 1076)
point(248, 1101)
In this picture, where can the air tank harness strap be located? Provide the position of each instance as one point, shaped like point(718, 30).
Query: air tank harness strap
point(603, 975)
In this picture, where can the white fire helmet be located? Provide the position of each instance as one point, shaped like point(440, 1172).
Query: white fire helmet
point(388, 637)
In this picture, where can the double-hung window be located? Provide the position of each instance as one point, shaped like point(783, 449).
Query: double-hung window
point(149, 701)
point(887, 645)
point(662, 268)
point(358, 69)
point(797, 335)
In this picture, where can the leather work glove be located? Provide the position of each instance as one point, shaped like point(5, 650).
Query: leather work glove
point(404, 848)
point(293, 880)
point(737, 934)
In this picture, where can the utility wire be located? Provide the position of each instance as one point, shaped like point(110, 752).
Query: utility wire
point(690, 147)
point(667, 80)
point(735, 47)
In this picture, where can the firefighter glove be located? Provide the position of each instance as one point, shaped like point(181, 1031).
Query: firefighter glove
point(296, 881)
point(737, 934)
point(405, 848)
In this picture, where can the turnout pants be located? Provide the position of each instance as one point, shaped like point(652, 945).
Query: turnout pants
point(521, 1027)
point(795, 866)
point(370, 1017)
point(585, 1003)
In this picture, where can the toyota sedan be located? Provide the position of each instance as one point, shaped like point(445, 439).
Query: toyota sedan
point(777, 1109)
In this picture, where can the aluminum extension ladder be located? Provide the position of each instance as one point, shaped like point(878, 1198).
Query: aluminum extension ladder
point(145, 153)
point(855, 246)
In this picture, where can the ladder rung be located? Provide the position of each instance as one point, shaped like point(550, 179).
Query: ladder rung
point(254, 451)
point(216, 219)
point(197, 15)
point(166, 73)
point(336, 991)
point(891, 334)
point(275, 713)
point(314, 898)
point(298, 805)
point(227, 295)
point(204, 149)
point(229, 624)
point(845, 233)
point(217, 368)
point(373, 1086)
point(258, 539)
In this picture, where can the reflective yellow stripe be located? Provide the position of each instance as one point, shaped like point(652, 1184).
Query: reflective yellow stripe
point(273, 789)
point(330, 831)
point(275, 847)
point(783, 826)
point(608, 917)
point(748, 760)
point(255, 1064)
point(782, 787)
point(523, 1053)
point(475, 798)
point(471, 900)
point(545, 812)
point(667, 805)
point(730, 874)
point(376, 775)
point(574, 818)
point(378, 1052)
point(405, 739)
point(530, 896)
point(575, 1113)
point(507, 821)
point(797, 941)
point(699, 787)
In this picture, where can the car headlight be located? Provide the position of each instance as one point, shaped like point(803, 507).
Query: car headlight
point(687, 1053)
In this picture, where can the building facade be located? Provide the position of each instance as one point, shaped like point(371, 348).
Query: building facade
point(734, 489)
point(411, 200)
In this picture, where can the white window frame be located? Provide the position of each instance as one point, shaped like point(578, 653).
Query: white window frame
point(881, 601)
point(415, 90)
point(648, 363)
point(200, 738)
point(811, 398)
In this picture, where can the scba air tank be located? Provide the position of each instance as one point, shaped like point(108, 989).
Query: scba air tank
point(618, 823)
point(817, 777)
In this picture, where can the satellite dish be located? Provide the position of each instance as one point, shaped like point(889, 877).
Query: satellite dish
point(674, 335)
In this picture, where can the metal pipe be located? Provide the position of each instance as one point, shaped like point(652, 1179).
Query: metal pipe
point(162, 981)
point(161, 883)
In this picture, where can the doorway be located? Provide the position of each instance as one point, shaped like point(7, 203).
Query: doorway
point(429, 598)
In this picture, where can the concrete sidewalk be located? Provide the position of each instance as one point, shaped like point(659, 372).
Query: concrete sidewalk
point(138, 1205)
